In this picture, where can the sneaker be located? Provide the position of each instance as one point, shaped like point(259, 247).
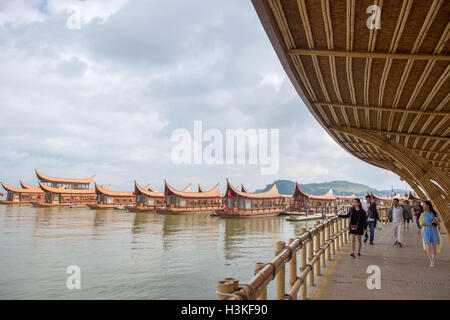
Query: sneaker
point(352, 254)
point(371, 243)
point(396, 242)
point(359, 254)
point(400, 244)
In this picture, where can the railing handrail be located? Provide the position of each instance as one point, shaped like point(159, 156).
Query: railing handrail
point(230, 290)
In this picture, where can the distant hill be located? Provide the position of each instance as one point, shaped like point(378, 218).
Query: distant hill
point(339, 187)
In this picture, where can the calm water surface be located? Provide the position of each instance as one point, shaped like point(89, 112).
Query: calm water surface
point(126, 255)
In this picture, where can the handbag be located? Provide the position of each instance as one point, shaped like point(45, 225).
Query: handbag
point(354, 227)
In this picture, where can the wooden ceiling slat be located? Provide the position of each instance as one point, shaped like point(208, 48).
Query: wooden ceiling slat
point(365, 55)
point(400, 110)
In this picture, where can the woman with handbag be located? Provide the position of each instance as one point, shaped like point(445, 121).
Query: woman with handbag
point(357, 224)
point(430, 232)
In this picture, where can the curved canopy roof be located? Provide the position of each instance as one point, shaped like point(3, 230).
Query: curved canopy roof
point(44, 178)
point(200, 189)
point(22, 190)
point(381, 91)
point(147, 191)
point(107, 192)
point(213, 193)
point(244, 189)
point(269, 194)
point(63, 190)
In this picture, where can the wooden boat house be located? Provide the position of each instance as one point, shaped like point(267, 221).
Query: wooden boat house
point(241, 204)
point(345, 200)
point(63, 197)
point(299, 200)
point(109, 199)
point(185, 201)
point(29, 194)
point(83, 183)
point(380, 201)
point(147, 199)
point(323, 203)
point(64, 192)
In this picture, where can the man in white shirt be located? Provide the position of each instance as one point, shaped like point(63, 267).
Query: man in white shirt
point(397, 221)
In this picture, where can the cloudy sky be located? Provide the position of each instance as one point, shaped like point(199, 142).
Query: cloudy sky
point(98, 87)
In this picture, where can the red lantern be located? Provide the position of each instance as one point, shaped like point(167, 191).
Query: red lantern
point(1, 194)
point(230, 195)
point(38, 196)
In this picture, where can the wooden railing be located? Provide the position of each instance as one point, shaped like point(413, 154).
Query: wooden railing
point(316, 246)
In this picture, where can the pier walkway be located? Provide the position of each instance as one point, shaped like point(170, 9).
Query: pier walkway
point(317, 265)
point(405, 271)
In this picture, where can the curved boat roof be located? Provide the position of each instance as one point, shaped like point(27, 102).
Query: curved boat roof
point(353, 196)
point(45, 178)
point(22, 190)
point(147, 191)
point(213, 193)
point(271, 193)
point(63, 190)
point(27, 186)
point(326, 196)
point(106, 191)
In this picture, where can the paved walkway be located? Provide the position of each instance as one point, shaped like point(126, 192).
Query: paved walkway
point(405, 272)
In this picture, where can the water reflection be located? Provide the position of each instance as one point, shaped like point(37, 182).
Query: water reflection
point(127, 255)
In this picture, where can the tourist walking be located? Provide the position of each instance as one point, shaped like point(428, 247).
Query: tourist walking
point(418, 209)
point(407, 215)
point(396, 212)
point(372, 216)
point(430, 232)
point(357, 224)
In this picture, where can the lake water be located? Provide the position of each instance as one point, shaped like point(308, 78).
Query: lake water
point(125, 255)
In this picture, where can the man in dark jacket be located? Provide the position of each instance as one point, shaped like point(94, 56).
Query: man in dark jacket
point(372, 216)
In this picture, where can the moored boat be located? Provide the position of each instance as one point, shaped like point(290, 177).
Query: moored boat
point(22, 195)
point(180, 202)
point(244, 204)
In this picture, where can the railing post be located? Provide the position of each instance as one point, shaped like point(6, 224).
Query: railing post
point(263, 295)
point(303, 290)
point(333, 243)
point(317, 248)
point(292, 268)
point(338, 227)
point(344, 221)
point(310, 256)
point(224, 286)
point(281, 275)
point(322, 243)
point(328, 239)
point(341, 237)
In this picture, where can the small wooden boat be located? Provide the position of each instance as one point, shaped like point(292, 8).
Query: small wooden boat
point(230, 215)
point(120, 208)
point(307, 218)
point(100, 206)
point(50, 205)
point(74, 206)
point(140, 209)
